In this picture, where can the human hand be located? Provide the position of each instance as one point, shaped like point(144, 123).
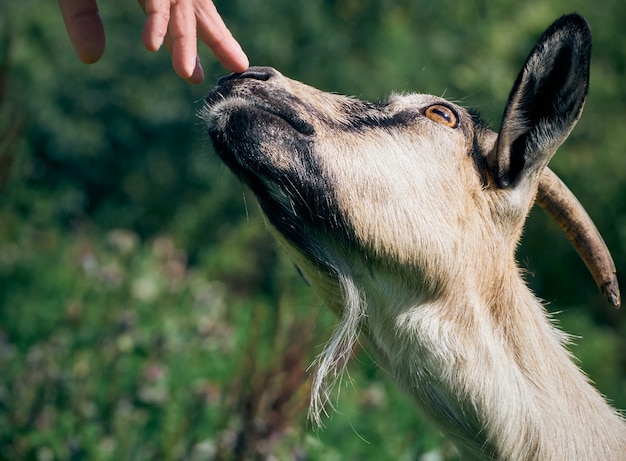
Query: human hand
point(177, 24)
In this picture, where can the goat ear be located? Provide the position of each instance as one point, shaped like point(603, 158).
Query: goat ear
point(545, 102)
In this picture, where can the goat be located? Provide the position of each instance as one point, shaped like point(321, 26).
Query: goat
point(404, 217)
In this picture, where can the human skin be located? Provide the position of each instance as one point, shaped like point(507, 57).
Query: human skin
point(177, 24)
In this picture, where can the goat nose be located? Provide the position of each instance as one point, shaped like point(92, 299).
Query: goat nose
point(259, 73)
point(256, 73)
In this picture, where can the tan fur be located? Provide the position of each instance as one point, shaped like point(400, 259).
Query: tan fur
point(418, 254)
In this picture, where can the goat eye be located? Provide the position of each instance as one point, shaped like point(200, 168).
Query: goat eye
point(442, 114)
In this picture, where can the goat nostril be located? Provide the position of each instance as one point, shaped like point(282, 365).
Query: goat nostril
point(259, 73)
point(255, 73)
point(226, 78)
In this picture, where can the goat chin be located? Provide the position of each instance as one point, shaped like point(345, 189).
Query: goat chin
point(405, 216)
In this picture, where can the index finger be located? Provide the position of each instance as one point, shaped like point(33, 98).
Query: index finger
point(214, 33)
point(84, 27)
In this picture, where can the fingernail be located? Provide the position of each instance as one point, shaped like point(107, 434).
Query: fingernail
point(198, 73)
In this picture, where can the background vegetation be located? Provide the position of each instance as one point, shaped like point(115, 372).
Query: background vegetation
point(144, 311)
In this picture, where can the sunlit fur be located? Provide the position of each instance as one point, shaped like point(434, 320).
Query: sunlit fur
point(405, 228)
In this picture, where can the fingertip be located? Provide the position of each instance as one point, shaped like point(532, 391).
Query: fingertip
point(233, 57)
point(241, 64)
point(224, 46)
point(151, 42)
point(197, 76)
point(154, 31)
point(90, 53)
point(84, 28)
point(191, 73)
point(86, 34)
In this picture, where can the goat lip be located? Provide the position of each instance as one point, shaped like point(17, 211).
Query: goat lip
point(257, 93)
point(222, 96)
point(294, 120)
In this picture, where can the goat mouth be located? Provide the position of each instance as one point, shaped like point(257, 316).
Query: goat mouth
point(264, 145)
point(294, 120)
point(272, 151)
point(228, 97)
point(254, 141)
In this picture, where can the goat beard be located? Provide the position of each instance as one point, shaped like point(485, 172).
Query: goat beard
point(333, 360)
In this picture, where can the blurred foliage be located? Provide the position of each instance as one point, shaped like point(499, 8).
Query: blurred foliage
point(144, 311)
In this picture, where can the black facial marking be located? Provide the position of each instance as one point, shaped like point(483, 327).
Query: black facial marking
point(366, 115)
point(267, 136)
point(294, 192)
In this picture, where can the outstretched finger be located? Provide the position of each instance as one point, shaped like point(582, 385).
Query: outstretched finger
point(214, 33)
point(84, 27)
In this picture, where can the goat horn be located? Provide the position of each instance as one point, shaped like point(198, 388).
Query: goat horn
point(562, 206)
